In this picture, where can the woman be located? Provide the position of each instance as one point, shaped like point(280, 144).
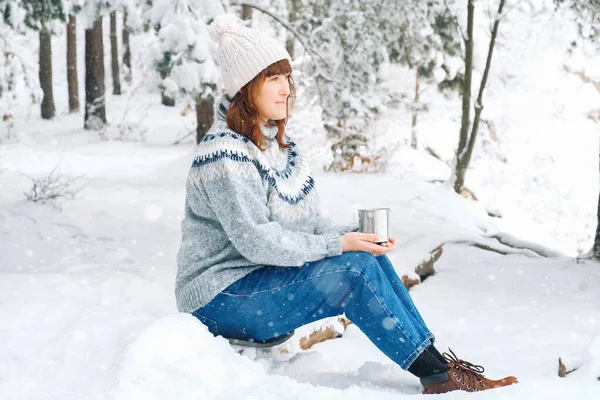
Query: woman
point(258, 259)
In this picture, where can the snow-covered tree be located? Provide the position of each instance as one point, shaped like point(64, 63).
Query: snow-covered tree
point(126, 31)
point(349, 48)
point(72, 7)
point(133, 22)
point(72, 75)
point(293, 7)
point(95, 103)
point(39, 15)
point(587, 14)
point(183, 56)
point(114, 54)
point(17, 72)
point(350, 41)
point(427, 42)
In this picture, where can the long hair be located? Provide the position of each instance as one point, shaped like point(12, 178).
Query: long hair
point(242, 115)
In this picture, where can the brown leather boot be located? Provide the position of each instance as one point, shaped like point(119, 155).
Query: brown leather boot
point(465, 376)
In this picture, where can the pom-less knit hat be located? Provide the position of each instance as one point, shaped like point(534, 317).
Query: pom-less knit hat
point(243, 52)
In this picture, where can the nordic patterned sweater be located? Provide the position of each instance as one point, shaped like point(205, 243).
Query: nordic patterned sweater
point(245, 209)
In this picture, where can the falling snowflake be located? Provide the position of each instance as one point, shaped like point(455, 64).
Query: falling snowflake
point(388, 323)
point(153, 213)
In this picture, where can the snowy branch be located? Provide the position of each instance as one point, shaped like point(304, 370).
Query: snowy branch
point(10, 51)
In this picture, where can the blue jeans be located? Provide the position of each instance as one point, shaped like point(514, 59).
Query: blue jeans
point(272, 301)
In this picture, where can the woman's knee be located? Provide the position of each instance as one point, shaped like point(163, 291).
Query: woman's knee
point(350, 264)
point(385, 263)
point(383, 259)
point(362, 262)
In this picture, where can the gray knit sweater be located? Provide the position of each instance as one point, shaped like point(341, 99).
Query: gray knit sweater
point(245, 209)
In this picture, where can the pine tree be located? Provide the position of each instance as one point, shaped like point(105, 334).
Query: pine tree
point(126, 48)
point(72, 75)
point(134, 21)
point(114, 54)
point(184, 59)
point(587, 14)
point(72, 9)
point(351, 49)
point(95, 102)
point(92, 14)
point(425, 42)
point(349, 42)
point(39, 14)
point(15, 67)
point(293, 10)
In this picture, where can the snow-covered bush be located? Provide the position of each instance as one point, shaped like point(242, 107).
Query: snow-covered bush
point(354, 40)
point(17, 70)
point(352, 49)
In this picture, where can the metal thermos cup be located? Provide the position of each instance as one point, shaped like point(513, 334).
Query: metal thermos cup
point(375, 220)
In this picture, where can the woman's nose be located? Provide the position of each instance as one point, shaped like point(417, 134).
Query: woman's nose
point(285, 89)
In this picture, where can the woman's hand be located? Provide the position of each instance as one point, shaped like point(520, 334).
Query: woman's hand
point(357, 241)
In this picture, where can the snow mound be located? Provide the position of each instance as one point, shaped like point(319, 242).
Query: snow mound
point(586, 364)
point(177, 357)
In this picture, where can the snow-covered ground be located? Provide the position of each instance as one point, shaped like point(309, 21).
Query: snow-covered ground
point(87, 309)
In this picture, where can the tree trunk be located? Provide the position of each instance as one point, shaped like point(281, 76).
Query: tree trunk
point(596, 248)
point(167, 100)
point(479, 103)
point(293, 7)
point(413, 139)
point(72, 81)
point(95, 109)
point(246, 12)
point(164, 69)
point(204, 116)
point(45, 63)
point(114, 53)
point(461, 167)
point(126, 50)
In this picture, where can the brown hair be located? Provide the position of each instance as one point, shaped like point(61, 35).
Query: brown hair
point(242, 115)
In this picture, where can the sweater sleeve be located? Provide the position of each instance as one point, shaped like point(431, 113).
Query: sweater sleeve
point(238, 198)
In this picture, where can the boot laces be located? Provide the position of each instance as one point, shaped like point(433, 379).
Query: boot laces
point(467, 373)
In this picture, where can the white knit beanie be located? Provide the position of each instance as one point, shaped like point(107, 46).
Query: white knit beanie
point(243, 52)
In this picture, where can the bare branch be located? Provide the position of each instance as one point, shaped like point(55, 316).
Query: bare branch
point(488, 62)
point(185, 136)
point(500, 17)
point(52, 187)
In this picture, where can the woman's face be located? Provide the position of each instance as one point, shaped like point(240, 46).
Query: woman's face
point(271, 100)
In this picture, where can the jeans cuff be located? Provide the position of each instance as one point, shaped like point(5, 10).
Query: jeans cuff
point(413, 356)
